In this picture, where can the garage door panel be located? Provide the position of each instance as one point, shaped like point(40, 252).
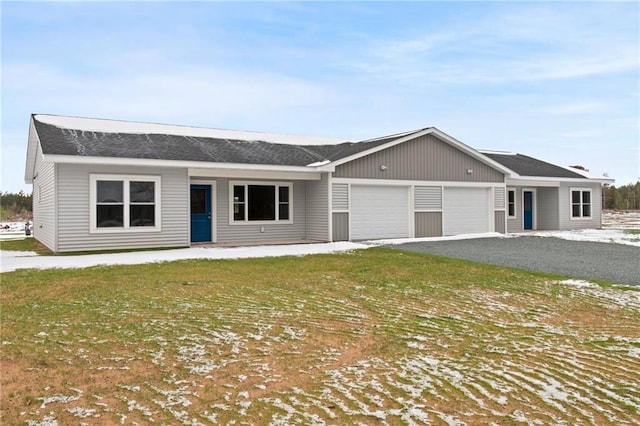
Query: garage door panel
point(466, 211)
point(379, 212)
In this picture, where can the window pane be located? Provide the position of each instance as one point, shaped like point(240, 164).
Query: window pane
point(512, 196)
point(238, 202)
point(284, 211)
point(586, 210)
point(238, 211)
point(575, 210)
point(238, 194)
point(110, 216)
point(586, 197)
point(141, 192)
point(283, 194)
point(198, 201)
point(142, 215)
point(575, 197)
point(262, 200)
point(109, 191)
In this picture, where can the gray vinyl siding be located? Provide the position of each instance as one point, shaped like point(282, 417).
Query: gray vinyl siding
point(514, 224)
point(317, 209)
point(73, 210)
point(428, 224)
point(565, 206)
point(425, 158)
point(340, 226)
point(499, 221)
point(44, 206)
point(251, 233)
point(340, 196)
point(427, 198)
point(547, 208)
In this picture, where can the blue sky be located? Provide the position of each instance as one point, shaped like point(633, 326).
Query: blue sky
point(559, 81)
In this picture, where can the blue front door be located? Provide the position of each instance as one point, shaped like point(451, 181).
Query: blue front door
point(528, 209)
point(200, 213)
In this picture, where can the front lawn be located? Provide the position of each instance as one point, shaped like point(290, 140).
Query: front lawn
point(375, 336)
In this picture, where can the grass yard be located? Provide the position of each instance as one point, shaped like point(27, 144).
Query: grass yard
point(375, 336)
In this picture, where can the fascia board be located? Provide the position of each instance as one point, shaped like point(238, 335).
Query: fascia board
point(149, 162)
point(252, 174)
point(550, 181)
point(32, 151)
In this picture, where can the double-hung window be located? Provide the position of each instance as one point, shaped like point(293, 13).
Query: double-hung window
point(580, 203)
point(125, 203)
point(511, 203)
point(260, 202)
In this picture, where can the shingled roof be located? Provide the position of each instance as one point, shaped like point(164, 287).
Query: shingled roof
point(529, 166)
point(62, 140)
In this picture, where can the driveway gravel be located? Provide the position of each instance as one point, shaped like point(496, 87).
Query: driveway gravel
point(614, 263)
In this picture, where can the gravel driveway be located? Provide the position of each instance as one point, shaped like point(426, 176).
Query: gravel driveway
point(614, 263)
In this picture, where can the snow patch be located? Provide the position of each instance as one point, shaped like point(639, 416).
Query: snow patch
point(578, 283)
point(119, 126)
point(12, 260)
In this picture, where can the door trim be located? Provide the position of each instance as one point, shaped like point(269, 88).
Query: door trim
point(214, 205)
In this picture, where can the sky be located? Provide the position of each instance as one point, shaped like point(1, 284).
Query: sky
point(559, 81)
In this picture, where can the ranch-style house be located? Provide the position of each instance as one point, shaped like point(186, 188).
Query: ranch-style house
point(106, 184)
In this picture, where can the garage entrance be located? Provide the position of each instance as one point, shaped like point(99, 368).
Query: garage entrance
point(379, 212)
point(466, 211)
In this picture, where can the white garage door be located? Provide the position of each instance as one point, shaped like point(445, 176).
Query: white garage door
point(465, 211)
point(379, 212)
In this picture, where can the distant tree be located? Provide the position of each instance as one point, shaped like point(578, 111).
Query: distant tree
point(626, 197)
point(15, 206)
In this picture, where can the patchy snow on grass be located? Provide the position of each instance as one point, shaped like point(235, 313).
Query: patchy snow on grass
point(12, 260)
point(605, 235)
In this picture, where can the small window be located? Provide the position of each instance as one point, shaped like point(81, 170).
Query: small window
point(580, 203)
point(110, 206)
point(124, 203)
point(260, 202)
point(511, 205)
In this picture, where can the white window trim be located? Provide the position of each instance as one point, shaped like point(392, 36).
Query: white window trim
point(126, 229)
point(571, 216)
point(515, 203)
point(246, 221)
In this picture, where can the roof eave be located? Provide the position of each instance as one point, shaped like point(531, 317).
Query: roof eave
point(119, 161)
point(550, 179)
point(33, 143)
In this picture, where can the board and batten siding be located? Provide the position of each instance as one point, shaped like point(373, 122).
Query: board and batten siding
point(428, 224)
point(317, 208)
point(565, 206)
point(74, 217)
point(44, 203)
point(340, 226)
point(499, 225)
point(426, 158)
point(260, 232)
